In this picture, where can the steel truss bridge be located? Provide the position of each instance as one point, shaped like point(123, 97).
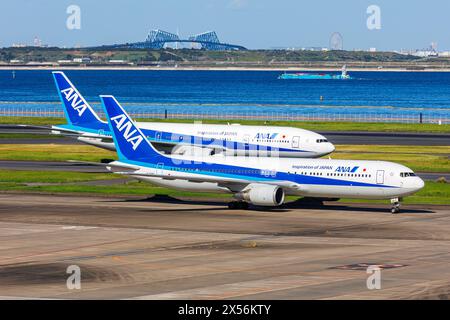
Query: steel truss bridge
point(157, 39)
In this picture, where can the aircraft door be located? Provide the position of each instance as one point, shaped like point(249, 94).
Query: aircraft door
point(296, 142)
point(246, 142)
point(380, 176)
point(246, 139)
point(159, 168)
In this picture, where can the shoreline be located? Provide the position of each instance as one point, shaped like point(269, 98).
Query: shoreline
point(197, 68)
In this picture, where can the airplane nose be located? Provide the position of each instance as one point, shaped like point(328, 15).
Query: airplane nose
point(326, 148)
point(331, 147)
point(419, 183)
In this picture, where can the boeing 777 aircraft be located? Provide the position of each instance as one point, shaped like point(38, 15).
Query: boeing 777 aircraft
point(257, 180)
point(85, 124)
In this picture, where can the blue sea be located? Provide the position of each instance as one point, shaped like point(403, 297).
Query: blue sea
point(224, 92)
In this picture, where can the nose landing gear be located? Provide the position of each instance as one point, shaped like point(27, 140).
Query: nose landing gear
point(395, 205)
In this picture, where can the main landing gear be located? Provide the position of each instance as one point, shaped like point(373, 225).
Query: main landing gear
point(395, 205)
point(234, 205)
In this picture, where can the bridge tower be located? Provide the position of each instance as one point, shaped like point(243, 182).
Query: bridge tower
point(209, 41)
point(156, 39)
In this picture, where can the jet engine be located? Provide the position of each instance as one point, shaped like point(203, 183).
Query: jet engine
point(262, 195)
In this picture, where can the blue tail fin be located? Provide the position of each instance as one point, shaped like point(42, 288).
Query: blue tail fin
point(77, 111)
point(131, 144)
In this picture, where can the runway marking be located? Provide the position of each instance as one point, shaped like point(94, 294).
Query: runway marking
point(25, 298)
point(233, 290)
point(108, 203)
point(46, 253)
point(195, 254)
point(78, 228)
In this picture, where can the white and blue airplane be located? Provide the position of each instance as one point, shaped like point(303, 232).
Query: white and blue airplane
point(259, 181)
point(84, 123)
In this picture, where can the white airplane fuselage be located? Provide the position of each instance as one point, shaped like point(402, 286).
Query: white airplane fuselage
point(242, 139)
point(304, 177)
point(194, 138)
point(258, 180)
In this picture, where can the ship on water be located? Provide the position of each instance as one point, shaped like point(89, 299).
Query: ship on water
point(316, 76)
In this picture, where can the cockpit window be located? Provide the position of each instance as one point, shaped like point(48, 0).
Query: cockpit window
point(407, 174)
point(321, 140)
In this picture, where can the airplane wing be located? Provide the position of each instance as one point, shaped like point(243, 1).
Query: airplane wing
point(234, 184)
point(77, 133)
point(61, 130)
point(28, 126)
point(167, 146)
point(112, 164)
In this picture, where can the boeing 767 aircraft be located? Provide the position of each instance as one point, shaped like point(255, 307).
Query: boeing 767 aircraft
point(259, 181)
point(180, 138)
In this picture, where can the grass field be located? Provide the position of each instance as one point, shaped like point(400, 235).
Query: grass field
point(423, 158)
point(315, 126)
point(66, 182)
point(28, 176)
point(6, 136)
point(53, 152)
point(130, 189)
point(418, 158)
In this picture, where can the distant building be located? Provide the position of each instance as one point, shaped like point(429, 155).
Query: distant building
point(425, 53)
point(118, 61)
point(15, 61)
point(82, 60)
point(372, 49)
point(38, 63)
point(315, 49)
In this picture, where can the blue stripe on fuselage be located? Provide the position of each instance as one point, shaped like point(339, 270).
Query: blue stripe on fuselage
point(250, 174)
point(170, 137)
point(174, 138)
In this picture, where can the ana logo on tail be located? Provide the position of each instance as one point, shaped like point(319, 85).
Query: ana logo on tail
point(76, 102)
point(122, 124)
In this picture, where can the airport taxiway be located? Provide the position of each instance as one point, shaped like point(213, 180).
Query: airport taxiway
point(136, 248)
point(336, 137)
point(82, 167)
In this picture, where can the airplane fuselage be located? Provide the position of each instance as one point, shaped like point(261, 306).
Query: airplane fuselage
point(238, 140)
point(305, 177)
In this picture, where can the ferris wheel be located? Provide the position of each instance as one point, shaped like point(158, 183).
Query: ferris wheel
point(336, 41)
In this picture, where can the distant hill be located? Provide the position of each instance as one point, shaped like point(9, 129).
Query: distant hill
point(256, 58)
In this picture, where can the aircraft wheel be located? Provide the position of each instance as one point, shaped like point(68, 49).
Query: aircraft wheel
point(395, 205)
point(395, 210)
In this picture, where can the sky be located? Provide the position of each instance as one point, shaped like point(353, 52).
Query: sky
point(255, 24)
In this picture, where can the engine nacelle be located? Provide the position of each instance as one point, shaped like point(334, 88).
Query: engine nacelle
point(262, 195)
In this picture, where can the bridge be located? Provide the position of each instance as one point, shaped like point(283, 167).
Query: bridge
point(157, 39)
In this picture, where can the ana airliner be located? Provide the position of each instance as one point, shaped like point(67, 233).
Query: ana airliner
point(259, 181)
point(180, 138)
